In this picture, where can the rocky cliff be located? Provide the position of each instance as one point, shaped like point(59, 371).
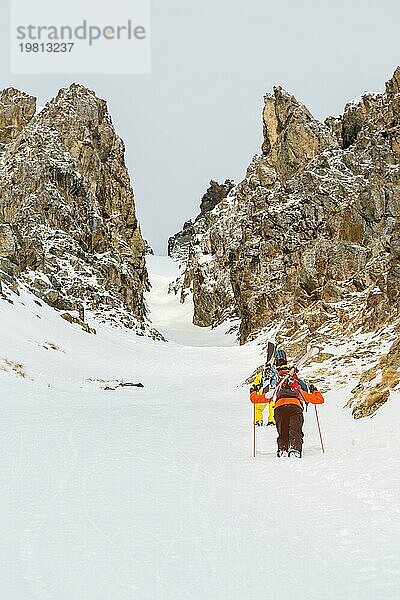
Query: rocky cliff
point(68, 227)
point(310, 240)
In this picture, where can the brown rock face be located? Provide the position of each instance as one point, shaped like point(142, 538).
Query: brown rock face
point(393, 85)
point(16, 110)
point(67, 198)
point(292, 137)
point(8, 242)
point(310, 237)
point(376, 384)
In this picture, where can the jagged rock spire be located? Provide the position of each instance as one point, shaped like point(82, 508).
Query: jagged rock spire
point(292, 137)
point(67, 206)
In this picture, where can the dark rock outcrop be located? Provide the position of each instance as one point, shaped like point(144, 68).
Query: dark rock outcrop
point(179, 244)
point(214, 195)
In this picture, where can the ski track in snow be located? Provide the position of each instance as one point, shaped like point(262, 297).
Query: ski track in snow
point(152, 494)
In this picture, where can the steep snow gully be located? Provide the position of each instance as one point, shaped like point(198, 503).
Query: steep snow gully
point(152, 493)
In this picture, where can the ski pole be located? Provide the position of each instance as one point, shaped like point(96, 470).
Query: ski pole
point(254, 430)
point(319, 429)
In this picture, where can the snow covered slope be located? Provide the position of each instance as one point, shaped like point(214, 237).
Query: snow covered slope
point(151, 493)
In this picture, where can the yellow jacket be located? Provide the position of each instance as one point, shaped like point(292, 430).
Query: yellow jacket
point(256, 394)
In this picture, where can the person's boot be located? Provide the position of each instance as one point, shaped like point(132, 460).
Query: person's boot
point(281, 453)
point(295, 453)
point(259, 423)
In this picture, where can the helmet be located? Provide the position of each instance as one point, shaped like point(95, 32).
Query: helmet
point(280, 358)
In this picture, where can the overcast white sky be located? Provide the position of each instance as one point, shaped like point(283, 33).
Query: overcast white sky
point(198, 115)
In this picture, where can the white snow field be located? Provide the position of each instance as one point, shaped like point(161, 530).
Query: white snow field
point(153, 494)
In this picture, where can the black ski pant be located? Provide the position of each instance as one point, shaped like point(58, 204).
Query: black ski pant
point(289, 423)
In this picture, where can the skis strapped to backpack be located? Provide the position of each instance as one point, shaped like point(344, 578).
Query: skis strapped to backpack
point(267, 371)
point(296, 367)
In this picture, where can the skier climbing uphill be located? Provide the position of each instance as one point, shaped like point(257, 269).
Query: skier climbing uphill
point(261, 391)
point(290, 395)
point(279, 386)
